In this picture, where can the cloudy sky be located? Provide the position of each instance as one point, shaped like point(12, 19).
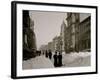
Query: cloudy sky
point(46, 25)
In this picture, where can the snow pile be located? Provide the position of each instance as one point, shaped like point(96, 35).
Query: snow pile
point(38, 62)
point(76, 59)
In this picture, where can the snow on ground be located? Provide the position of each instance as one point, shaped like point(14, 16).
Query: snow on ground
point(76, 59)
point(68, 60)
point(37, 63)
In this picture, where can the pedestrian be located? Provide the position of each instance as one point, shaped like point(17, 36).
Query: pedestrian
point(60, 59)
point(55, 59)
point(50, 54)
point(39, 52)
point(46, 54)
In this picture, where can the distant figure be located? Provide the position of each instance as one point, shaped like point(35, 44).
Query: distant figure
point(60, 59)
point(43, 52)
point(55, 59)
point(50, 54)
point(39, 53)
point(46, 54)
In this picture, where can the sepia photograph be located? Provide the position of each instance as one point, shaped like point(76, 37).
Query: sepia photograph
point(56, 39)
point(53, 40)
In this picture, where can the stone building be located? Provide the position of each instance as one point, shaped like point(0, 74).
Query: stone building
point(68, 40)
point(57, 43)
point(73, 21)
point(77, 24)
point(78, 32)
point(33, 34)
point(85, 34)
point(29, 40)
point(51, 46)
point(63, 35)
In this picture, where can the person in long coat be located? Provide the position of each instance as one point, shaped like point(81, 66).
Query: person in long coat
point(50, 54)
point(46, 54)
point(60, 59)
point(55, 59)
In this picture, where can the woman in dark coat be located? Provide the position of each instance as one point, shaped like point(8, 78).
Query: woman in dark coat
point(60, 59)
point(46, 54)
point(50, 54)
point(55, 59)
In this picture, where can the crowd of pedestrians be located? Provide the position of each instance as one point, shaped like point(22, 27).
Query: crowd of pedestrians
point(57, 56)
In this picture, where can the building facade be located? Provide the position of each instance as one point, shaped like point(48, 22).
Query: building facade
point(85, 34)
point(51, 46)
point(63, 35)
point(29, 39)
point(57, 43)
point(72, 32)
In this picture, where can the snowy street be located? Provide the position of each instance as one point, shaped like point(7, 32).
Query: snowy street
point(68, 60)
point(37, 63)
point(48, 35)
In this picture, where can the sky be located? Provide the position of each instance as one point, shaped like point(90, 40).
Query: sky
point(84, 15)
point(47, 25)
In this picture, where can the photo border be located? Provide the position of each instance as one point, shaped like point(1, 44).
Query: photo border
point(14, 38)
